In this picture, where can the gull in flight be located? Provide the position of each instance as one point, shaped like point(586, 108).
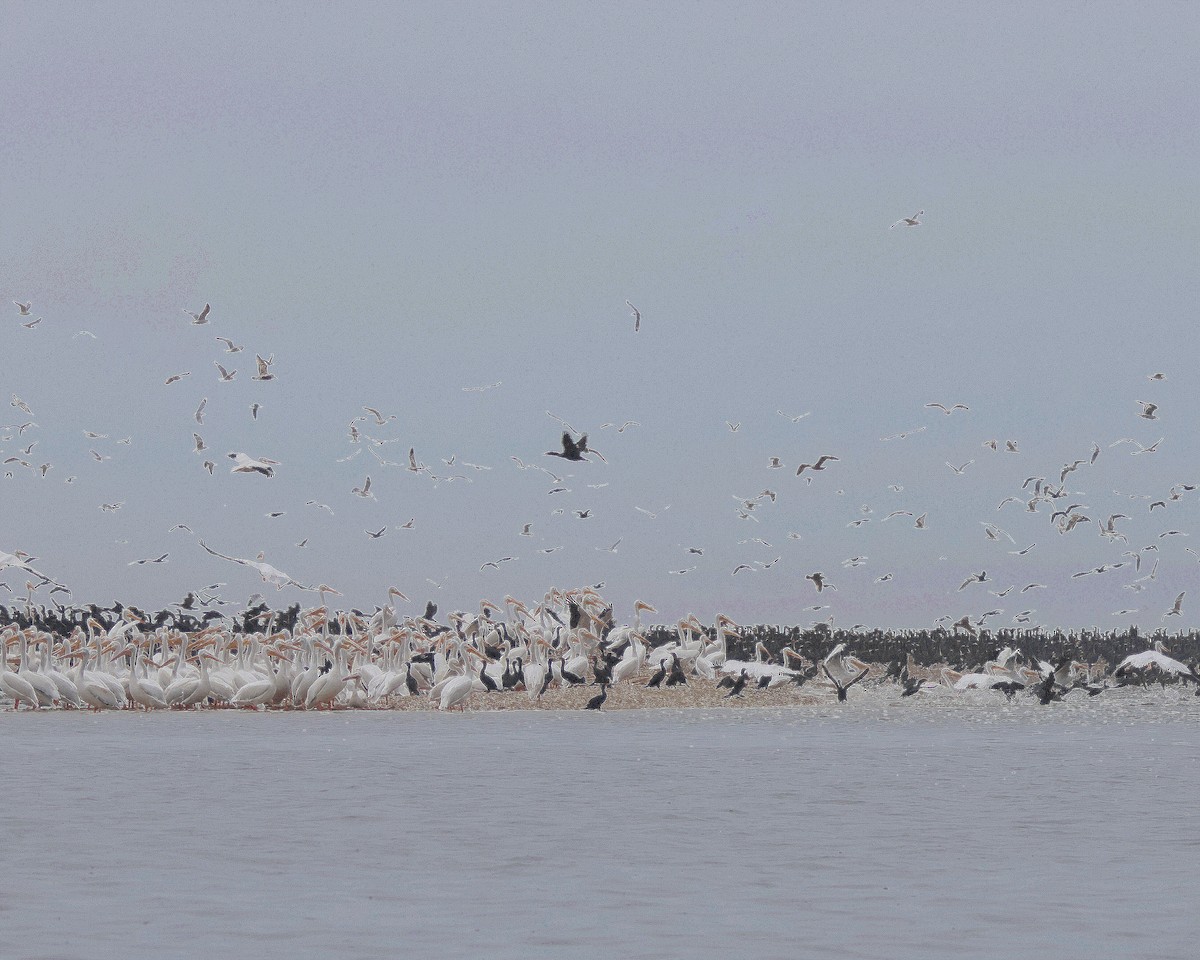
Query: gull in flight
point(201, 317)
point(365, 490)
point(1157, 376)
point(230, 346)
point(958, 471)
point(733, 427)
point(818, 581)
point(613, 548)
point(637, 316)
point(254, 408)
point(1175, 610)
point(269, 573)
point(496, 563)
point(323, 506)
point(795, 419)
point(264, 368)
point(948, 410)
point(1147, 410)
point(903, 435)
point(175, 378)
point(226, 375)
point(376, 534)
point(32, 323)
point(379, 419)
point(161, 559)
point(83, 333)
point(623, 427)
point(913, 221)
point(20, 405)
point(200, 444)
point(819, 465)
point(199, 414)
point(244, 463)
point(490, 386)
point(23, 307)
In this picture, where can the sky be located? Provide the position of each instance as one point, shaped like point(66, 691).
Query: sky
point(405, 205)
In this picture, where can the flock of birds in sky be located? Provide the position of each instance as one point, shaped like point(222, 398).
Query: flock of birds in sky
point(1047, 502)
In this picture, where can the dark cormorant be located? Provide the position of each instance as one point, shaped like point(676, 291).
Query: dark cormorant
point(598, 699)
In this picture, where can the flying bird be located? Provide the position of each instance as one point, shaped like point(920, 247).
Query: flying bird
point(264, 367)
point(637, 316)
point(948, 410)
point(243, 463)
point(819, 465)
point(201, 317)
point(913, 221)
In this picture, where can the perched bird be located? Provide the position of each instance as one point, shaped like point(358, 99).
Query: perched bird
point(598, 700)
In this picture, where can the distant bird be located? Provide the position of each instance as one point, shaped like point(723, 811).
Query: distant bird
point(1148, 410)
point(375, 535)
point(1176, 609)
point(842, 689)
point(637, 316)
point(819, 465)
point(496, 563)
point(230, 346)
point(598, 700)
point(23, 307)
point(201, 317)
point(775, 463)
point(32, 323)
point(264, 368)
point(913, 221)
point(980, 577)
point(199, 443)
point(226, 376)
point(958, 471)
point(571, 449)
point(794, 418)
point(818, 581)
point(379, 418)
point(199, 414)
point(1157, 376)
point(948, 410)
point(738, 685)
point(365, 490)
point(733, 427)
point(247, 464)
point(175, 378)
point(159, 559)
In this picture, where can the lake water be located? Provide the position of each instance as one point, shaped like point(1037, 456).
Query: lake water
point(949, 828)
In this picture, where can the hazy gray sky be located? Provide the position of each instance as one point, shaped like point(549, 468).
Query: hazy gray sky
point(401, 201)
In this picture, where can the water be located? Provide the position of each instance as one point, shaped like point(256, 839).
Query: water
point(950, 828)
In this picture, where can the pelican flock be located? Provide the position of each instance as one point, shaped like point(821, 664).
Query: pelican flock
point(511, 654)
